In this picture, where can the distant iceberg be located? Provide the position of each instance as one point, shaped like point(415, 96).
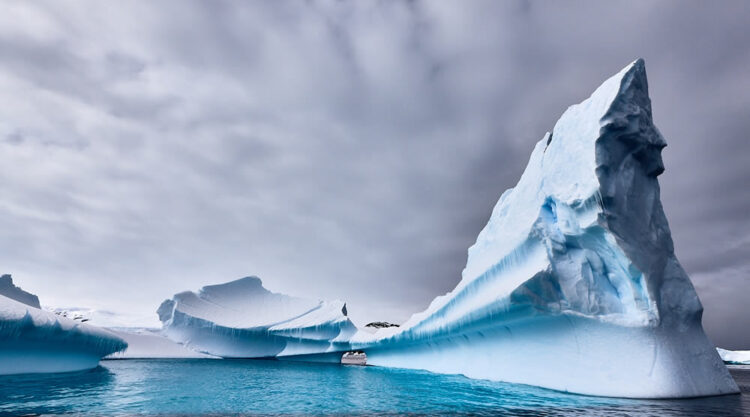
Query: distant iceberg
point(572, 285)
point(146, 343)
point(34, 341)
point(241, 319)
point(734, 357)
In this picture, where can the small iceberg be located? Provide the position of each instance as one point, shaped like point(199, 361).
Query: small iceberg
point(36, 341)
point(734, 357)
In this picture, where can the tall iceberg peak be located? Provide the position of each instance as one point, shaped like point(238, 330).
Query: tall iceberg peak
point(573, 283)
point(590, 197)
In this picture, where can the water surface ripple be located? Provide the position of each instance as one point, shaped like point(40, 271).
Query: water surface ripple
point(268, 387)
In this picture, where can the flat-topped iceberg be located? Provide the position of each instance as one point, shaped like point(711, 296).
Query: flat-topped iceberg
point(573, 284)
point(241, 319)
point(734, 357)
point(34, 341)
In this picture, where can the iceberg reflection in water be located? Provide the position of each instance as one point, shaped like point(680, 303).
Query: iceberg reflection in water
point(269, 387)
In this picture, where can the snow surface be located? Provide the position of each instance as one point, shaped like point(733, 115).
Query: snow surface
point(241, 319)
point(144, 341)
point(151, 344)
point(573, 284)
point(735, 357)
point(107, 318)
point(33, 341)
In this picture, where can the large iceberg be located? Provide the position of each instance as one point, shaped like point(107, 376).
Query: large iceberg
point(241, 319)
point(33, 340)
point(572, 285)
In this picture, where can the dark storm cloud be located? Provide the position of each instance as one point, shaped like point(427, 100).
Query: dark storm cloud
point(345, 150)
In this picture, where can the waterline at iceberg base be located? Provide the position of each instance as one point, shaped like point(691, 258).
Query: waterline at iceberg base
point(570, 354)
point(572, 285)
point(238, 387)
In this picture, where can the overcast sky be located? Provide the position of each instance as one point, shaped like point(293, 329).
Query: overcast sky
point(348, 150)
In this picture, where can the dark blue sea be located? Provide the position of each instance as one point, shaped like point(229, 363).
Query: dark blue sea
point(267, 387)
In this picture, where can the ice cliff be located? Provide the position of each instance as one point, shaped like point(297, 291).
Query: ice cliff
point(241, 319)
point(33, 340)
point(573, 284)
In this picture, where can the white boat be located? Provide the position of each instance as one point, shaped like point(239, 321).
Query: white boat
point(354, 358)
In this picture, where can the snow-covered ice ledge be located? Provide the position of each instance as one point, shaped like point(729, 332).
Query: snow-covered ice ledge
point(37, 341)
point(734, 357)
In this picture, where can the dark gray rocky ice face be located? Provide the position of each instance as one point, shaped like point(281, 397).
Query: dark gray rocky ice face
point(16, 293)
point(628, 155)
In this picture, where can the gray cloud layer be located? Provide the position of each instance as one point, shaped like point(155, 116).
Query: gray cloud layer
point(345, 150)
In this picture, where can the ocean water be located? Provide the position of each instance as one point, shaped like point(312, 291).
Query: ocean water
point(268, 387)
